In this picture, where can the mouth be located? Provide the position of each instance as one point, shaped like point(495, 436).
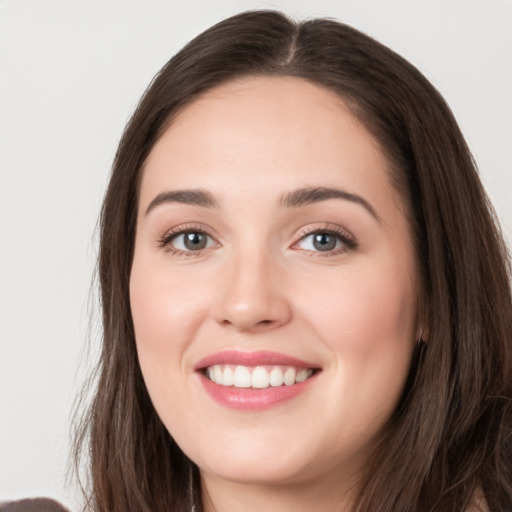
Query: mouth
point(254, 380)
point(257, 377)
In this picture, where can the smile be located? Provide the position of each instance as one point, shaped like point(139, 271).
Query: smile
point(254, 381)
point(257, 377)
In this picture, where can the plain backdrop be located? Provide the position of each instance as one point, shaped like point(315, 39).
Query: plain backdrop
point(71, 73)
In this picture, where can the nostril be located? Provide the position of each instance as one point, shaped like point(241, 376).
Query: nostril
point(252, 311)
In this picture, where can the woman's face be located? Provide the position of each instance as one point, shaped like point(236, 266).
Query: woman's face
point(272, 248)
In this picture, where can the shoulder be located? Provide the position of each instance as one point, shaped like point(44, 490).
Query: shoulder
point(32, 505)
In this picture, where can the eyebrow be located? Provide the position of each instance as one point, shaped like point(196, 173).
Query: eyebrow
point(196, 197)
point(310, 195)
point(293, 199)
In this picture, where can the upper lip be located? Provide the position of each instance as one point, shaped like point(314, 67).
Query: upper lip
point(259, 358)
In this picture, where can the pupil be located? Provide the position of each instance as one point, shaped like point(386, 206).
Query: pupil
point(324, 242)
point(195, 241)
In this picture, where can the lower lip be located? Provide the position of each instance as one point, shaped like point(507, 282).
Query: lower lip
point(251, 399)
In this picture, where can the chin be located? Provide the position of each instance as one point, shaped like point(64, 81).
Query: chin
point(258, 471)
point(272, 459)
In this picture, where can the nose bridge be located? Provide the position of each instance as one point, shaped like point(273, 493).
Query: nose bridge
point(252, 298)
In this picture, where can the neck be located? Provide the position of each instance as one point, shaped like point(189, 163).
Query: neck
point(324, 495)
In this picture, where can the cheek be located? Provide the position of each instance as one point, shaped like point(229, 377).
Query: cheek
point(367, 323)
point(166, 313)
point(367, 318)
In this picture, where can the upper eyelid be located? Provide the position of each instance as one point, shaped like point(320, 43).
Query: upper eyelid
point(325, 228)
point(192, 227)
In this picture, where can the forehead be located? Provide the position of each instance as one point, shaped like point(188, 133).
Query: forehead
point(282, 129)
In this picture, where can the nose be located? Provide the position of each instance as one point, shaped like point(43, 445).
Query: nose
point(253, 296)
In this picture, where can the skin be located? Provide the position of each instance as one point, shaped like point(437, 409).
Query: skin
point(260, 284)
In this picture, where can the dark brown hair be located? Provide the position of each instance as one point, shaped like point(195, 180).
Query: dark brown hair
point(451, 432)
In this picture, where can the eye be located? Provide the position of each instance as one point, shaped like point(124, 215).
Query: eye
point(187, 241)
point(191, 241)
point(320, 241)
point(325, 241)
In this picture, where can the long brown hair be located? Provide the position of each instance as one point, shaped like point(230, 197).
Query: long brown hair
point(452, 430)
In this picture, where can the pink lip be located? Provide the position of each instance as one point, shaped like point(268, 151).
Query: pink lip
point(247, 398)
point(259, 358)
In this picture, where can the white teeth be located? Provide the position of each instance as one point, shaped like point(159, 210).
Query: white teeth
point(259, 377)
point(276, 377)
point(242, 378)
point(289, 376)
point(229, 377)
point(302, 375)
point(217, 373)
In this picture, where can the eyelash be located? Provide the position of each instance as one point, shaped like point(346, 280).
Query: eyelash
point(348, 241)
point(165, 241)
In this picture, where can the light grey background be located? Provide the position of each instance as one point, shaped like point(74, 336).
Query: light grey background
point(70, 75)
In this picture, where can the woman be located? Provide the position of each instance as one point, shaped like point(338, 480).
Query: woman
point(306, 301)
